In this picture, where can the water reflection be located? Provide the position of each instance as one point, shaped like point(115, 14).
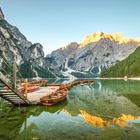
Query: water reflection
point(100, 122)
point(91, 111)
point(103, 102)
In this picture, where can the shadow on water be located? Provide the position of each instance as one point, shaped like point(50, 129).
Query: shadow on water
point(105, 110)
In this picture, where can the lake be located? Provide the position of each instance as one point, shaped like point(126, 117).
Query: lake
point(105, 110)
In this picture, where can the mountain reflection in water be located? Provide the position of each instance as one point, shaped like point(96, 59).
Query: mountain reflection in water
point(103, 110)
point(123, 120)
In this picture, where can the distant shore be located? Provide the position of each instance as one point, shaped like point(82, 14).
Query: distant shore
point(119, 78)
point(136, 78)
point(104, 78)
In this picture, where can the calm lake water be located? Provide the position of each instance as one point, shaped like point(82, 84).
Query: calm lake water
point(105, 110)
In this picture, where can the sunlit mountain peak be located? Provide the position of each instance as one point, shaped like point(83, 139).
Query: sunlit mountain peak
point(117, 37)
point(138, 40)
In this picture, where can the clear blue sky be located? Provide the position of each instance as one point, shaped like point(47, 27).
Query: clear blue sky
point(54, 23)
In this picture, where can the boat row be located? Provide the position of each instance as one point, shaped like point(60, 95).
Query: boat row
point(61, 93)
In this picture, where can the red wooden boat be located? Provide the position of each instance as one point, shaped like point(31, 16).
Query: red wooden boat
point(55, 98)
point(29, 89)
point(32, 88)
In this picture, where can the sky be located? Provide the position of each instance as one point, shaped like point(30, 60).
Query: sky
point(55, 23)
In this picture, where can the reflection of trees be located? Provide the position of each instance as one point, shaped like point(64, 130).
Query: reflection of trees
point(129, 89)
point(121, 87)
point(31, 132)
point(100, 122)
point(11, 120)
point(105, 102)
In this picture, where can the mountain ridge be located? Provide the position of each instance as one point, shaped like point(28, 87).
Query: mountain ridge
point(118, 37)
point(129, 67)
point(103, 53)
point(97, 52)
point(14, 44)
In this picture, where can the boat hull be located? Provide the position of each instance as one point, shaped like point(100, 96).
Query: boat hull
point(53, 99)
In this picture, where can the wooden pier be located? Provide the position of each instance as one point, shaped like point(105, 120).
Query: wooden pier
point(11, 95)
point(17, 98)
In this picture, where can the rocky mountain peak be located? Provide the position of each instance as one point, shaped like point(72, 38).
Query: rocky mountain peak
point(138, 40)
point(1, 14)
point(36, 51)
point(117, 37)
point(29, 57)
point(71, 45)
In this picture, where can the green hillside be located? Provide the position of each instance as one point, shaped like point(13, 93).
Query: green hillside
point(129, 67)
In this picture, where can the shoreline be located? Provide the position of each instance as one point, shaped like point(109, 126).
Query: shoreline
point(104, 78)
point(136, 78)
point(119, 78)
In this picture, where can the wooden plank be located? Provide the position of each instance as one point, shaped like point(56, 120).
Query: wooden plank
point(16, 100)
point(7, 94)
point(10, 96)
point(6, 97)
point(5, 91)
point(20, 102)
point(13, 98)
point(16, 92)
point(9, 100)
point(14, 74)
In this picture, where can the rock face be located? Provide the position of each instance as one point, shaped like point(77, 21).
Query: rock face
point(129, 67)
point(13, 43)
point(60, 60)
point(1, 14)
point(97, 52)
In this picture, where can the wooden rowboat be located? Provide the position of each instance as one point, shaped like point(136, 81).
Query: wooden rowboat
point(53, 99)
point(29, 89)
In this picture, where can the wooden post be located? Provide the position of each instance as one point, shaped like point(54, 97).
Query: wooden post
point(25, 87)
point(14, 74)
